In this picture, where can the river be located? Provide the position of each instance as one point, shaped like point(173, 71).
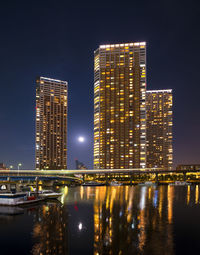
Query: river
point(102, 220)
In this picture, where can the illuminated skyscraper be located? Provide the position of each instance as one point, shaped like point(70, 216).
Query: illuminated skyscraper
point(119, 106)
point(51, 124)
point(159, 128)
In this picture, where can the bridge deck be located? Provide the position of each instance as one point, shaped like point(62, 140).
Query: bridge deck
point(90, 172)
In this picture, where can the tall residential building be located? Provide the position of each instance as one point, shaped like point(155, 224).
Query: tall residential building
point(119, 106)
point(51, 124)
point(159, 129)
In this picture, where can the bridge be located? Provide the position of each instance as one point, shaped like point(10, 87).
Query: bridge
point(132, 176)
point(45, 176)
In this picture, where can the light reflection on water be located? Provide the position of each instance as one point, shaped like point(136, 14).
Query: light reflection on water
point(104, 220)
point(130, 220)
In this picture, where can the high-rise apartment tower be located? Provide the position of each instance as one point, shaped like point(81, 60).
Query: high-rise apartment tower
point(119, 106)
point(51, 124)
point(159, 129)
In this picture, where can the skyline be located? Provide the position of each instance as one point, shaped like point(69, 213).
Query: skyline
point(34, 54)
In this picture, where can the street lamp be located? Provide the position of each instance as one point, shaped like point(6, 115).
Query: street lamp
point(18, 167)
point(11, 167)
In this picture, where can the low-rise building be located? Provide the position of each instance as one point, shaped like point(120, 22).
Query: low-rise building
point(3, 166)
point(188, 167)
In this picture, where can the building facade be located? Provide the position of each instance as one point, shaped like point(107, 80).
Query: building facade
point(51, 124)
point(188, 167)
point(119, 106)
point(3, 167)
point(159, 129)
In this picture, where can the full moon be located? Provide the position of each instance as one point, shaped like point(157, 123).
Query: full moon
point(81, 139)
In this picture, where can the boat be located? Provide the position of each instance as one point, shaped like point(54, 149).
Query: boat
point(147, 183)
point(49, 194)
point(12, 195)
point(180, 183)
point(93, 183)
point(115, 183)
point(42, 193)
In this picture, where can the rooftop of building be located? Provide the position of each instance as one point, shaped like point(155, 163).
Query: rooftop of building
point(122, 45)
point(52, 80)
point(160, 91)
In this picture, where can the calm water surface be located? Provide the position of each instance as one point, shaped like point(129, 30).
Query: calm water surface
point(106, 220)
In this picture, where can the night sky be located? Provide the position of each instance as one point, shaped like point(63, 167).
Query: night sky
point(57, 39)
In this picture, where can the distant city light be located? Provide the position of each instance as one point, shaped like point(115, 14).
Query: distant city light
point(81, 139)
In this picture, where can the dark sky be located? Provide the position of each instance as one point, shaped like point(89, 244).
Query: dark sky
point(57, 39)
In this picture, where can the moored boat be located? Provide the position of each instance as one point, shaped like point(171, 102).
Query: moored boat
point(42, 193)
point(180, 183)
point(12, 195)
point(49, 194)
point(148, 183)
point(93, 183)
point(115, 183)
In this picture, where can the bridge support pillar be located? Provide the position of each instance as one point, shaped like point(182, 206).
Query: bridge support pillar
point(156, 179)
point(106, 177)
point(83, 177)
point(37, 186)
point(131, 179)
point(184, 176)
